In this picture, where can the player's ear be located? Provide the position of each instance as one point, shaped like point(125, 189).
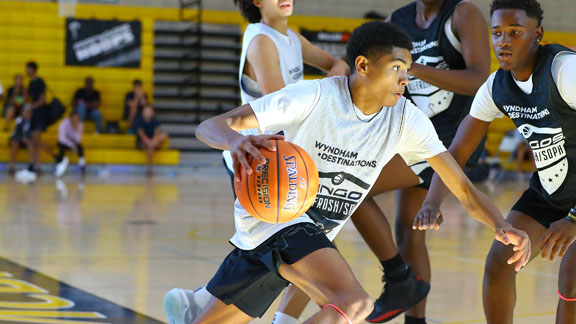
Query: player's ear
point(539, 33)
point(361, 65)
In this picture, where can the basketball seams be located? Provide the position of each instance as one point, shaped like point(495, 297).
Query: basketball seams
point(277, 183)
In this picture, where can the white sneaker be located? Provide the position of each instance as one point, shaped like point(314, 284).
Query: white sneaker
point(61, 167)
point(25, 176)
point(180, 306)
point(82, 162)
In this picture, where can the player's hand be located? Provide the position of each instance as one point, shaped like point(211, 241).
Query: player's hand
point(521, 241)
point(244, 146)
point(429, 217)
point(339, 70)
point(558, 238)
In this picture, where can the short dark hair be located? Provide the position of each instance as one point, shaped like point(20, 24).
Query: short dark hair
point(249, 11)
point(32, 65)
point(532, 7)
point(137, 82)
point(375, 39)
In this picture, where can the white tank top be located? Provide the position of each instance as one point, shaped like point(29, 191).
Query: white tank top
point(291, 66)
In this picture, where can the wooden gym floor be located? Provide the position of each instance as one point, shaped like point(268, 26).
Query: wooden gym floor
point(106, 249)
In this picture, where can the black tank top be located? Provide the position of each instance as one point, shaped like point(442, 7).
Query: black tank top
point(432, 48)
point(548, 123)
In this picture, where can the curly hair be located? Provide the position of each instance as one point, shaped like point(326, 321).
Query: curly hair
point(248, 10)
point(375, 39)
point(532, 7)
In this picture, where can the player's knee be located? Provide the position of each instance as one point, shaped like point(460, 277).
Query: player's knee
point(356, 306)
point(567, 286)
point(496, 265)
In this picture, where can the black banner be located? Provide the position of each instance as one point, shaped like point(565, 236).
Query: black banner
point(110, 43)
point(332, 42)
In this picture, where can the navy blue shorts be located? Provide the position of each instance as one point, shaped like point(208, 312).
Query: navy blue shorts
point(250, 281)
point(534, 206)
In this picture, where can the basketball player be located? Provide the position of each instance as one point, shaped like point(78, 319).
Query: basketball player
point(365, 114)
point(451, 58)
point(272, 57)
point(535, 87)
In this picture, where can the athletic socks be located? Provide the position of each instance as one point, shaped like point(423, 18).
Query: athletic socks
point(395, 268)
point(281, 318)
point(202, 297)
point(414, 320)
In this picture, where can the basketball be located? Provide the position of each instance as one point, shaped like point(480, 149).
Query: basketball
point(281, 189)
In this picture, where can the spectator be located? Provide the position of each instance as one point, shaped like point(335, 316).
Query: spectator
point(36, 102)
point(20, 138)
point(69, 139)
point(134, 102)
point(148, 134)
point(14, 101)
point(86, 102)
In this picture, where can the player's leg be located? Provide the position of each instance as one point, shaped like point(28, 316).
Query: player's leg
point(499, 288)
point(566, 312)
point(326, 277)
point(411, 243)
point(217, 311)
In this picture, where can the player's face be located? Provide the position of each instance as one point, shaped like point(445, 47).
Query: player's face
point(388, 76)
point(275, 8)
point(18, 80)
point(515, 38)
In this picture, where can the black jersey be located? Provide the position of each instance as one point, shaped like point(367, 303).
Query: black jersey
point(548, 124)
point(433, 48)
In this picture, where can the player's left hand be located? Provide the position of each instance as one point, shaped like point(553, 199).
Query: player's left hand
point(559, 237)
point(521, 241)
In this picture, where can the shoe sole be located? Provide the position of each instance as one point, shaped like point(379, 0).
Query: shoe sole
point(175, 305)
point(397, 312)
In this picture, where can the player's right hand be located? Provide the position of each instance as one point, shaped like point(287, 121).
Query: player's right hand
point(429, 217)
point(243, 146)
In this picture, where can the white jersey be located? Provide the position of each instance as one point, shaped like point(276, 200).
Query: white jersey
point(291, 66)
point(349, 149)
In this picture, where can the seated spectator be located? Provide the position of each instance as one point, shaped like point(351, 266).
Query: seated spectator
point(14, 101)
point(134, 102)
point(148, 135)
point(69, 139)
point(21, 137)
point(86, 102)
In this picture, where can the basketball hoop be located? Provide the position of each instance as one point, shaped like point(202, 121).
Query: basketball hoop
point(67, 8)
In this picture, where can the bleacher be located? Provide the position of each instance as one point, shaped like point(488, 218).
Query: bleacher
point(32, 31)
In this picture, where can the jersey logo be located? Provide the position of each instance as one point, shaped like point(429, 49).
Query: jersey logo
point(547, 145)
point(430, 99)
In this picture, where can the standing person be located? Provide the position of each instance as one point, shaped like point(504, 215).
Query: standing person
point(451, 56)
point(365, 114)
point(272, 57)
point(36, 102)
point(535, 88)
point(86, 102)
point(70, 139)
point(21, 137)
point(15, 97)
point(134, 103)
point(149, 137)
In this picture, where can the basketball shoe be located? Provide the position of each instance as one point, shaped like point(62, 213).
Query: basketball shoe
point(180, 306)
point(402, 291)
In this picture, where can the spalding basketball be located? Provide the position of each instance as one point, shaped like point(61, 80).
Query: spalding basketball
point(281, 189)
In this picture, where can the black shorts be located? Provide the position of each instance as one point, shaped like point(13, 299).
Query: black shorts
point(425, 172)
point(249, 279)
point(534, 206)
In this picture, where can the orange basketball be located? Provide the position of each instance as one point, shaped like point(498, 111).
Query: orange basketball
point(281, 189)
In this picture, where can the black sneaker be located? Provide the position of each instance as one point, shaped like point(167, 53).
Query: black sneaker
point(398, 295)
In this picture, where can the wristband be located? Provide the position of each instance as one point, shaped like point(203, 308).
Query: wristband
point(572, 212)
point(571, 218)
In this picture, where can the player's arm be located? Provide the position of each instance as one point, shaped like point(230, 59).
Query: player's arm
point(469, 135)
point(318, 58)
point(264, 63)
point(481, 207)
point(471, 29)
point(221, 132)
